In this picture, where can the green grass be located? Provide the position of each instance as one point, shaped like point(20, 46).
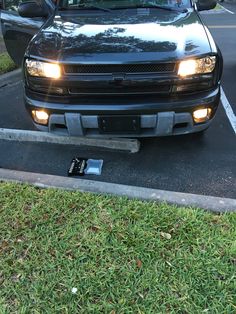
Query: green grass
point(6, 63)
point(123, 256)
point(218, 7)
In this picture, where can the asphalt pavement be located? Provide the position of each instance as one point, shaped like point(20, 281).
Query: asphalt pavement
point(189, 164)
point(223, 29)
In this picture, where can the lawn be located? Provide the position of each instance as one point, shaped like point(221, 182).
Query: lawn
point(71, 252)
point(6, 63)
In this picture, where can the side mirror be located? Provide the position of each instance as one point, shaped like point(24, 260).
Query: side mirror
point(32, 9)
point(203, 5)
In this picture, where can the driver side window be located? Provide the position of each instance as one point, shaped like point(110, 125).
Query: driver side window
point(12, 5)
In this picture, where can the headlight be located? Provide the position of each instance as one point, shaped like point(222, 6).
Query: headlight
point(197, 66)
point(43, 69)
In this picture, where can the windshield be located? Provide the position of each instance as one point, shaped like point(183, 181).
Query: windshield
point(123, 4)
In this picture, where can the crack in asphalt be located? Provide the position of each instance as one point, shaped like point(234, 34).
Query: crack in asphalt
point(10, 84)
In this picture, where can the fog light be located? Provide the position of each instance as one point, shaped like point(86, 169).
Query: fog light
point(201, 115)
point(40, 116)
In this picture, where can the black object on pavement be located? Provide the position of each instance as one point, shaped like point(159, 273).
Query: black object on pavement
point(77, 167)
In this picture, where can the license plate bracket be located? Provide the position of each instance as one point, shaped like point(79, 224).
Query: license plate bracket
point(119, 124)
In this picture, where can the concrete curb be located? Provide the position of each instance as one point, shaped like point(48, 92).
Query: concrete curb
point(10, 77)
point(215, 204)
point(210, 12)
point(126, 144)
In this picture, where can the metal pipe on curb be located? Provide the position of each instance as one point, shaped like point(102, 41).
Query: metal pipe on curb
point(131, 145)
point(211, 203)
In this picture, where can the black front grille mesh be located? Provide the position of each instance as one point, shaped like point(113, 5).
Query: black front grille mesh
point(120, 68)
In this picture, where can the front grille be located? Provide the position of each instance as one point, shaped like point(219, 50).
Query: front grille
point(120, 68)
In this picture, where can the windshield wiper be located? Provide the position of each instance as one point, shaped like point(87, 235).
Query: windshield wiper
point(157, 6)
point(84, 7)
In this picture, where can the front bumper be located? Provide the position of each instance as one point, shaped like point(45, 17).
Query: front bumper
point(158, 118)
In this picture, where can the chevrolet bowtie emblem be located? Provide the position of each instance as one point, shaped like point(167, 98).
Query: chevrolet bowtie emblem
point(118, 77)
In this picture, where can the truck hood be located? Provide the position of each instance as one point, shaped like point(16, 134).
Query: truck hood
point(121, 37)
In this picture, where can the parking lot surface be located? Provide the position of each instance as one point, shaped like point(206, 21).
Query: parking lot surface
point(202, 165)
point(223, 28)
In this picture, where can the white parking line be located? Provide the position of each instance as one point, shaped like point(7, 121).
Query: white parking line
point(226, 9)
point(228, 110)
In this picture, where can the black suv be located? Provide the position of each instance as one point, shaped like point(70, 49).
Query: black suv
point(115, 67)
